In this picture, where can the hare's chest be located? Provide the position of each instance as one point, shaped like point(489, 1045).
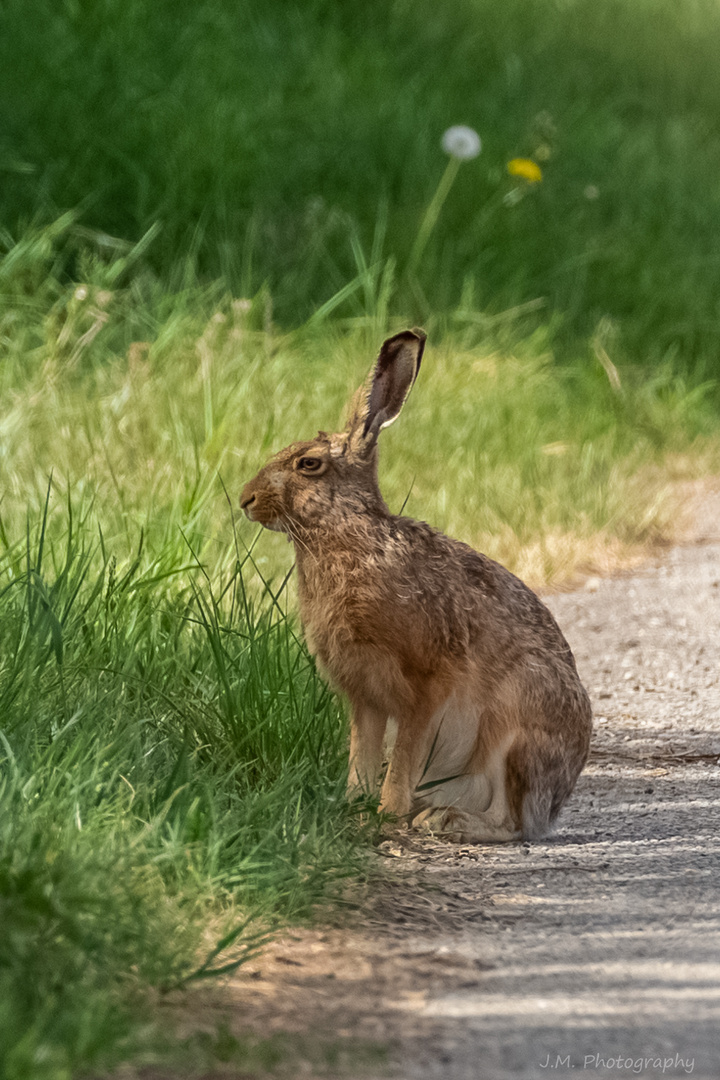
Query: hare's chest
point(340, 621)
point(330, 624)
point(358, 665)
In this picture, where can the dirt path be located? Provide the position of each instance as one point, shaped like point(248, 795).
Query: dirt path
point(598, 951)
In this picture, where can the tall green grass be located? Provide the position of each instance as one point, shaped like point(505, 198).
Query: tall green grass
point(171, 783)
point(263, 137)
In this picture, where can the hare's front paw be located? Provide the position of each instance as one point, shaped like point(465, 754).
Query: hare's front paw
point(444, 821)
point(453, 824)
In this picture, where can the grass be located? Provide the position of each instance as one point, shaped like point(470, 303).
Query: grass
point(171, 768)
point(146, 404)
point(169, 761)
point(271, 142)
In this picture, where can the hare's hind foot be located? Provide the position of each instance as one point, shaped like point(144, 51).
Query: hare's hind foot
point(460, 827)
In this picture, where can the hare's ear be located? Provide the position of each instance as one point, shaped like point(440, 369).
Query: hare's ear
point(380, 400)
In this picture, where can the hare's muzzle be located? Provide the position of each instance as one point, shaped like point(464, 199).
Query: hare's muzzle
point(246, 502)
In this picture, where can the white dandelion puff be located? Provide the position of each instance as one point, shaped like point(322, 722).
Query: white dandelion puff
point(461, 142)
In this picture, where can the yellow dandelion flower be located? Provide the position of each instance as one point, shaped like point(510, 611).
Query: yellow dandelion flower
point(525, 168)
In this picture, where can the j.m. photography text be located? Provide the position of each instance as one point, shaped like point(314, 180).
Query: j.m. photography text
point(622, 1063)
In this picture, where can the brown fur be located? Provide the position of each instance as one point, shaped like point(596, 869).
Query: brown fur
point(493, 724)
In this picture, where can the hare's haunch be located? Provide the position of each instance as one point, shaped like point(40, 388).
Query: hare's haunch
point(493, 724)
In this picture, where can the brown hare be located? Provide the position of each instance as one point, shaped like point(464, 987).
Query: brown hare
point(492, 721)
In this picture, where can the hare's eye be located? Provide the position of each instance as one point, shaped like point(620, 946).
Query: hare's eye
point(308, 464)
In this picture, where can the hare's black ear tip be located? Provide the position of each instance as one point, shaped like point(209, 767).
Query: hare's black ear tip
point(404, 335)
point(421, 337)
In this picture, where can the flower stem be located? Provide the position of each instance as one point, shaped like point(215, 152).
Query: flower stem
point(432, 213)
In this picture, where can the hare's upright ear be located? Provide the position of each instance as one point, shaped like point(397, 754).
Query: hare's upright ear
point(380, 399)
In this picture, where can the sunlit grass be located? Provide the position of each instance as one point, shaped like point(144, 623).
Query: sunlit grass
point(152, 409)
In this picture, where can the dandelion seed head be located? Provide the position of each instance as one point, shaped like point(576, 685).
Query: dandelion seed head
point(461, 142)
point(591, 192)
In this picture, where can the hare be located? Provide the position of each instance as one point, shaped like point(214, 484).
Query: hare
point(492, 722)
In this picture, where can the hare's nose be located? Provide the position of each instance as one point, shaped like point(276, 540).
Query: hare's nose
point(247, 498)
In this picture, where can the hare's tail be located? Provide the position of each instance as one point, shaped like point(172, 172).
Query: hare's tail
point(540, 775)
